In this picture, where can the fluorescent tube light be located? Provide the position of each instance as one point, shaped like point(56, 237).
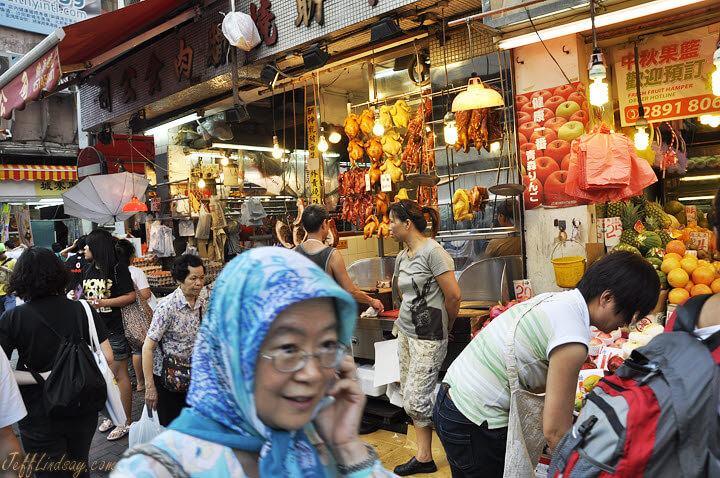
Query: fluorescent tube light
point(171, 124)
point(701, 178)
point(244, 147)
point(603, 20)
point(696, 198)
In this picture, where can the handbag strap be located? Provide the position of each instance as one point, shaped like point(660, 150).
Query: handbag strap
point(159, 455)
point(510, 357)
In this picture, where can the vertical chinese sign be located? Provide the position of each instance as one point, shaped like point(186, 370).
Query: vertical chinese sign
point(674, 76)
point(313, 164)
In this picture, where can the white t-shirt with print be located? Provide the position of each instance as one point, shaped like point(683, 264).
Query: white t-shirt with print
point(12, 408)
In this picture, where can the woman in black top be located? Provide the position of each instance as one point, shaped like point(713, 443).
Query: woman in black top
point(40, 278)
point(107, 286)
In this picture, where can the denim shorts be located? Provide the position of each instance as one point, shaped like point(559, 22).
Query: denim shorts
point(120, 346)
point(472, 450)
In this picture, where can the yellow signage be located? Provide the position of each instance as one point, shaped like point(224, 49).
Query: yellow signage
point(313, 164)
point(52, 188)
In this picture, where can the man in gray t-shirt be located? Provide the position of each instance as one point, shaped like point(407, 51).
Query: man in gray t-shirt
point(422, 313)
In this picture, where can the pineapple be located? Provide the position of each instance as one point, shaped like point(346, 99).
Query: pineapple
point(655, 210)
point(615, 209)
point(653, 225)
point(601, 210)
point(629, 216)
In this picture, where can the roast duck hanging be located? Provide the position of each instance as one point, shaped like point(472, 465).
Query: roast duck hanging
point(478, 127)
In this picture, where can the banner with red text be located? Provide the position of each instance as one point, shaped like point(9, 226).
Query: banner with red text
point(44, 74)
point(674, 76)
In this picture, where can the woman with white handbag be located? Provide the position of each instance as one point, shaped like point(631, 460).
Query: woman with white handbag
point(32, 329)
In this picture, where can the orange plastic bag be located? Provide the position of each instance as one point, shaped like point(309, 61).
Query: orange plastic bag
point(604, 166)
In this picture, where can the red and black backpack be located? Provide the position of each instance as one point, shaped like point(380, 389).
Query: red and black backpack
point(657, 416)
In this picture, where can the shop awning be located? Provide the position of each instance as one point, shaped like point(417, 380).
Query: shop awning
point(86, 45)
point(30, 172)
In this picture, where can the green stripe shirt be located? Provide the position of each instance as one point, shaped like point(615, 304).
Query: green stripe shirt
point(478, 376)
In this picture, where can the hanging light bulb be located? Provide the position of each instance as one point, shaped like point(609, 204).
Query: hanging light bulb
point(450, 130)
point(596, 71)
point(710, 120)
point(224, 161)
point(201, 183)
point(334, 137)
point(277, 152)
point(495, 146)
point(322, 145)
point(642, 140)
point(378, 129)
point(716, 74)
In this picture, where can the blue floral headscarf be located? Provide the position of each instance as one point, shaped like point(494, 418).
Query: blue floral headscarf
point(249, 293)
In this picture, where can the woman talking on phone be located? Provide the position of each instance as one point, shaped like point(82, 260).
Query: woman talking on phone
point(272, 393)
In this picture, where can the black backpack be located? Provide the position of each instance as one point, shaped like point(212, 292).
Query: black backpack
point(75, 385)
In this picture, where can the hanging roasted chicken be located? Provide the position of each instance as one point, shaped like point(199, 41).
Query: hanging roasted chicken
point(382, 203)
point(389, 167)
point(371, 226)
point(479, 198)
point(414, 150)
point(356, 151)
point(478, 127)
point(384, 228)
point(391, 143)
point(352, 126)
point(367, 121)
point(374, 149)
point(386, 117)
point(461, 206)
point(400, 112)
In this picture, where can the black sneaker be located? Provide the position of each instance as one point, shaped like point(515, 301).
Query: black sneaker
point(413, 466)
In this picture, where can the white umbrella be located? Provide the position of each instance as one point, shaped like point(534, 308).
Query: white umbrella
point(101, 198)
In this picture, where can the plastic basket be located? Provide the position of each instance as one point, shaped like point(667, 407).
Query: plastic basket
point(568, 270)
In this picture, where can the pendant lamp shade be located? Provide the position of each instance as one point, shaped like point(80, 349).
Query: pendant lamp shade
point(134, 205)
point(477, 96)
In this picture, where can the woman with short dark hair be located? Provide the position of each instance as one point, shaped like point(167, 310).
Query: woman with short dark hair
point(108, 287)
point(172, 332)
point(40, 278)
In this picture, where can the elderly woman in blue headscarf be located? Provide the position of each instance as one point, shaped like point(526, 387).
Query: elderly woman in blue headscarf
point(272, 392)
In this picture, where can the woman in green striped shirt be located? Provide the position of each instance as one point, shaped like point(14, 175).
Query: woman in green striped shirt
point(551, 344)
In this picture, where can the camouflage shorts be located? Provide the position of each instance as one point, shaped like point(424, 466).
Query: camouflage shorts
point(420, 362)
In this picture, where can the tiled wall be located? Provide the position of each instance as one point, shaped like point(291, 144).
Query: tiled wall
point(359, 248)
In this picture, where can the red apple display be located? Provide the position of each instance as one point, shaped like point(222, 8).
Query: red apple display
point(564, 91)
point(555, 123)
point(571, 130)
point(554, 189)
point(576, 97)
point(533, 192)
point(557, 150)
point(547, 133)
point(565, 164)
point(520, 101)
point(567, 109)
point(554, 102)
point(528, 108)
point(524, 117)
point(581, 116)
point(546, 95)
point(528, 128)
point(522, 139)
point(525, 148)
point(545, 167)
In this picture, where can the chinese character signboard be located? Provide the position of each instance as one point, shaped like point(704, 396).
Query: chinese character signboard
point(548, 121)
point(44, 16)
point(52, 188)
point(313, 164)
point(41, 75)
point(674, 76)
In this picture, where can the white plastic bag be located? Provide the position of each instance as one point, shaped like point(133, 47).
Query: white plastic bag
point(240, 30)
point(145, 429)
point(115, 410)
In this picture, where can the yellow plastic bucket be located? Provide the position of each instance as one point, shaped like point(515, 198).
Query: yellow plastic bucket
point(568, 270)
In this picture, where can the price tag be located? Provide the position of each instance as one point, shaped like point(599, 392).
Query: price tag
point(612, 230)
point(523, 289)
point(691, 252)
point(385, 183)
point(691, 214)
point(155, 204)
point(701, 239)
point(367, 182)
